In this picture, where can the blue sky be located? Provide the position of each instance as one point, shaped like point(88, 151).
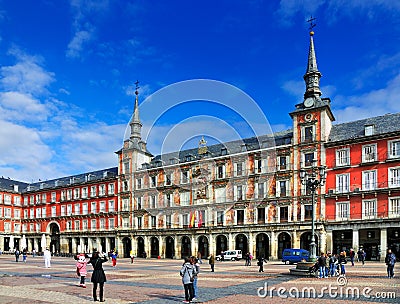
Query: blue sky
point(68, 69)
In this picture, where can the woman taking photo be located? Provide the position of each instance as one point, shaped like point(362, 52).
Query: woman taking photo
point(98, 275)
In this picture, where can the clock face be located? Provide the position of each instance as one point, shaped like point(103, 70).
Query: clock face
point(309, 102)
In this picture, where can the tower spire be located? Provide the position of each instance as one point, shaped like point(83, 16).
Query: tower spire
point(312, 75)
point(136, 125)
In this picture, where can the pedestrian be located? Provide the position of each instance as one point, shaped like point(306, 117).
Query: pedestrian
point(17, 255)
point(131, 255)
point(250, 258)
point(98, 275)
point(390, 260)
point(322, 265)
point(352, 255)
point(199, 257)
point(361, 256)
point(114, 256)
point(33, 252)
point(342, 261)
point(81, 269)
point(195, 288)
point(247, 258)
point(24, 255)
point(188, 273)
point(260, 263)
point(47, 258)
point(332, 264)
point(211, 261)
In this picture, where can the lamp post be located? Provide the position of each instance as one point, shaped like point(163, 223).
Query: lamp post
point(313, 178)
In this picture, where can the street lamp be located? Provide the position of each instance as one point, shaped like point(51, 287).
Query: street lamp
point(313, 178)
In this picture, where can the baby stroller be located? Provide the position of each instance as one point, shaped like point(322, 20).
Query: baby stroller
point(314, 270)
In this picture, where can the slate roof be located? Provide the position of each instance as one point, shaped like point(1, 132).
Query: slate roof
point(8, 184)
point(232, 147)
point(356, 129)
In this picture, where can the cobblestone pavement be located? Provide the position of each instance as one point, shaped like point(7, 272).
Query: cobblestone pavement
point(158, 281)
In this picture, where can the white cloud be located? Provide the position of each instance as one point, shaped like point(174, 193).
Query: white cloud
point(76, 46)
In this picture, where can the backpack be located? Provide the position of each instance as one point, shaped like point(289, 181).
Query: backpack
point(392, 259)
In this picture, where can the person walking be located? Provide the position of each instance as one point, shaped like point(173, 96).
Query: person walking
point(131, 255)
point(352, 255)
point(390, 260)
point(47, 258)
point(199, 257)
point(114, 256)
point(322, 265)
point(188, 273)
point(81, 269)
point(195, 288)
point(250, 258)
point(33, 252)
point(260, 263)
point(17, 253)
point(98, 275)
point(361, 256)
point(211, 261)
point(24, 255)
point(332, 264)
point(342, 261)
point(247, 259)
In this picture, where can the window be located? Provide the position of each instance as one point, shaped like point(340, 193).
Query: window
point(284, 214)
point(102, 190)
point(7, 199)
point(140, 221)
point(221, 171)
point(394, 149)
point(259, 166)
point(139, 183)
point(139, 202)
point(239, 193)
point(308, 134)
point(153, 181)
point(394, 177)
point(111, 206)
point(220, 218)
point(168, 200)
point(53, 211)
point(153, 221)
point(126, 167)
point(63, 195)
point(93, 207)
point(342, 183)
point(184, 177)
point(240, 217)
point(93, 224)
point(102, 223)
point(84, 192)
point(93, 191)
point(343, 157)
point(77, 225)
point(185, 198)
point(185, 220)
point(260, 190)
point(62, 210)
point(17, 213)
point(17, 227)
point(77, 209)
point(239, 169)
point(260, 215)
point(168, 220)
point(85, 224)
point(44, 198)
point(26, 213)
point(342, 211)
point(282, 162)
point(69, 209)
point(69, 194)
point(44, 212)
point(308, 159)
point(220, 195)
point(282, 189)
point(369, 180)
point(17, 201)
point(394, 207)
point(111, 223)
point(153, 201)
point(53, 197)
point(68, 225)
point(76, 193)
point(168, 179)
point(7, 226)
point(111, 189)
point(85, 208)
point(308, 212)
point(369, 130)
point(369, 209)
point(369, 153)
point(103, 206)
point(125, 204)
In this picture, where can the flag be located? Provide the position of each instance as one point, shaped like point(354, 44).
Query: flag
point(192, 219)
point(200, 220)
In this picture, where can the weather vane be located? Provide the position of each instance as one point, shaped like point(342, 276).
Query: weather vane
point(137, 87)
point(312, 23)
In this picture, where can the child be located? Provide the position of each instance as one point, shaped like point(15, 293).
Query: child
point(81, 268)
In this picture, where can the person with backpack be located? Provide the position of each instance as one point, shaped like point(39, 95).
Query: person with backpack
point(342, 261)
point(390, 260)
point(188, 273)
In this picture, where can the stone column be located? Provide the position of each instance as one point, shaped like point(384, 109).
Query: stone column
point(193, 245)
point(322, 239)
point(74, 245)
point(295, 239)
point(384, 244)
point(356, 241)
point(177, 247)
point(274, 246)
point(133, 245)
point(251, 244)
point(147, 245)
point(211, 245)
point(108, 245)
point(329, 241)
point(230, 241)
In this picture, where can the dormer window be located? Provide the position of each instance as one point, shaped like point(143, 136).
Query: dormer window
point(369, 130)
point(307, 134)
point(224, 151)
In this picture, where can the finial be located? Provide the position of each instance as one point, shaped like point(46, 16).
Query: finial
point(312, 25)
point(137, 87)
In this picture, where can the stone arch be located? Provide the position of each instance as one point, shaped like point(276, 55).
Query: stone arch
point(284, 242)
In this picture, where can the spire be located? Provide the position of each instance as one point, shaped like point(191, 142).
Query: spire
point(136, 125)
point(312, 75)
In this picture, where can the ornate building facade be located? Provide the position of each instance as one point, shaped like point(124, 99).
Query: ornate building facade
point(245, 194)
